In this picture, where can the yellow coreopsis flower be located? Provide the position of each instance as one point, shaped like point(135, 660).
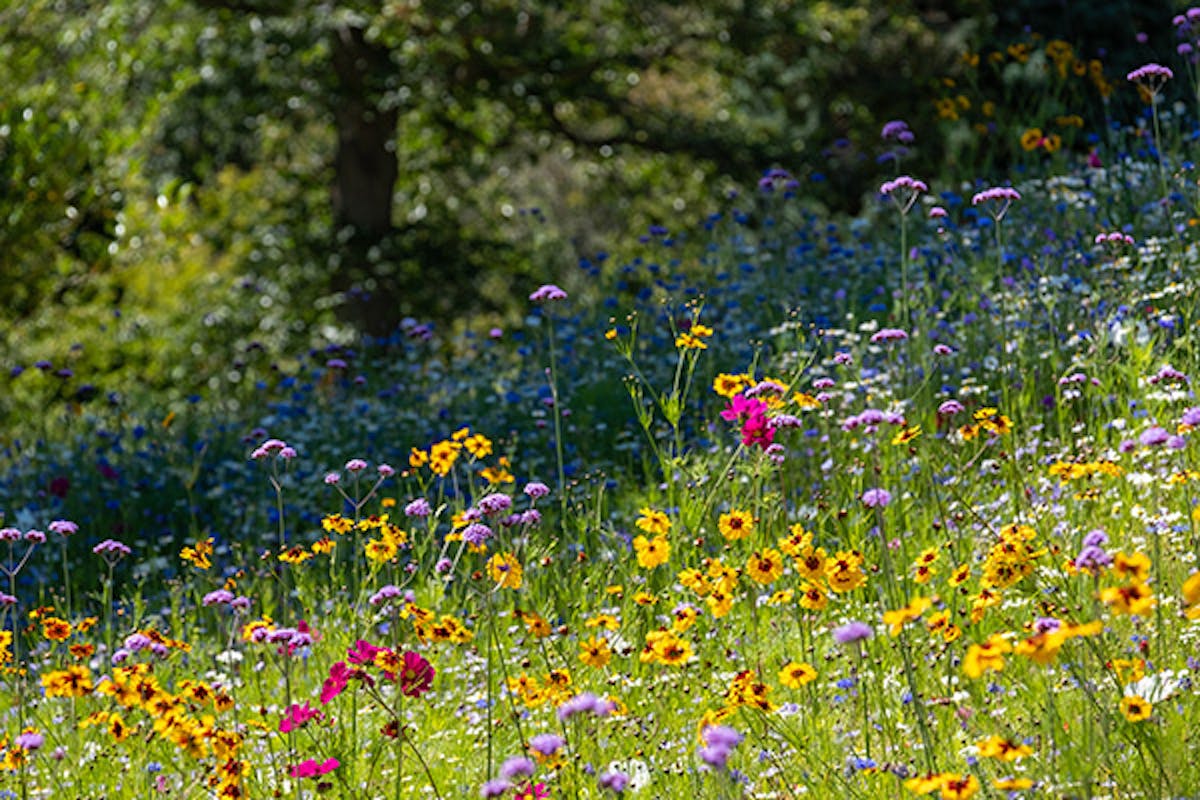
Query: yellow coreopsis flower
point(727, 385)
point(1135, 708)
point(796, 673)
point(1134, 599)
point(651, 553)
point(595, 652)
point(1003, 749)
point(655, 523)
point(986, 657)
point(736, 525)
point(844, 571)
point(765, 566)
point(74, 681)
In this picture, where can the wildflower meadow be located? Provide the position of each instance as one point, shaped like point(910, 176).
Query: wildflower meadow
point(765, 504)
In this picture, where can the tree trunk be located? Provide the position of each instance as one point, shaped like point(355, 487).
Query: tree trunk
point(365, 172)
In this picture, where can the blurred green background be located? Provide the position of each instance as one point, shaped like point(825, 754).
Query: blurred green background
point(192, 190)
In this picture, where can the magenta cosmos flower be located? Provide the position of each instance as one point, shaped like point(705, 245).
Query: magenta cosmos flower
point(416, 675)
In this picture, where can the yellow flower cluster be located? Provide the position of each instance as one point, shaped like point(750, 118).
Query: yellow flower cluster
point(664, 647)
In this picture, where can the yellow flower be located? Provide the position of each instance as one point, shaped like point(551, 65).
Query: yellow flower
point(1003, 749)
point(957, 787)
point(505, 570)
point(296, 554)
point(695, 580)
point(607, 621)
point(381, 551)
point(55, 629)
point(896, 619)
point(665, 647)
point(651, 553)
point(805, 400)
point(796, 673)
point(1191, 595)
point(727, 385)
point(534, 623)
point(810, 563)
point(986, 657)
point(924, 784)
point(961, 575)
point(1031, 139)
point(323, 546)
point(1135, 708)
point(417, 458)
point(781, 597)
point(198, 556)
point(478, 445)
point(719, 602)
point(813, 597)
point(844, 571)
point(685, 617)
point(336, 523)
point(1135, 567)
point(906, 435)
point(656, 523)
point(496, 475)
point(686, 341)
point(595, 652)
point(74, 681)
point(736, 524)
point(765, 566)
point(1135, 599)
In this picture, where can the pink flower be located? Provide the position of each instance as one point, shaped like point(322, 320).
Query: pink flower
point(547, 293)
point(297, 716)
point(363, 653)
point(742, 407)
point(757, 430)
point(312, 769)
point(339, 676)
point(416, 675)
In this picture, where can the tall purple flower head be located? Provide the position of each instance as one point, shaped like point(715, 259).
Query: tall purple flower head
point(546, 744)
point(853, 632)
point(613, 781)
point(218, 597)
point(950, 408)
point(999, 198)
point(476, 533)
point(29, 740)
point(548, 293)
point(64, 527)
point(1154, 436)
point(897, 130)
point(418, 508)
point(516, 768)
point(495, 788)
point(585, 703)
point(536, 489)
point(1151, 76)
point(719, 741)
point(904, 190)
point(495, 503)
point(888, 335)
